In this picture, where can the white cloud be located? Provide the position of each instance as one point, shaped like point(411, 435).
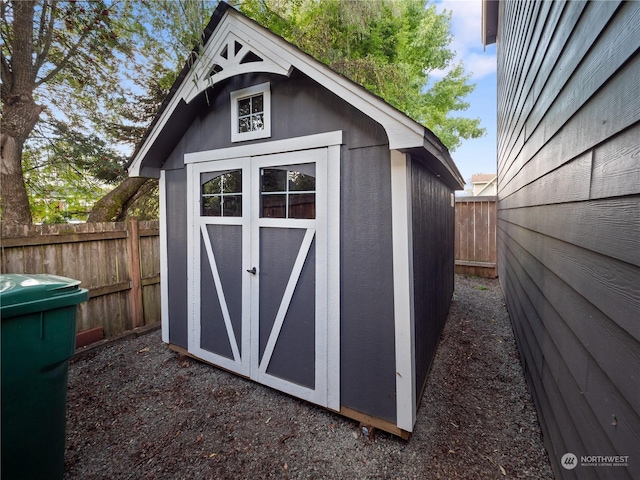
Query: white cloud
point(466, 23)
point(438, 74)
point(480, 65)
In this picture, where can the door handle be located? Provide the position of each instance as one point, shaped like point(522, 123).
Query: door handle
point(252, 271)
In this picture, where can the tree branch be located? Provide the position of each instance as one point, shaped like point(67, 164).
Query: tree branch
point(4, 30)
point(45, 36)
point(112, 205)
point(181, 6)
point(41, 23)
point(63, 63)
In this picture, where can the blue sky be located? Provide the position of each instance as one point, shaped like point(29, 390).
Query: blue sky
point(478, 155)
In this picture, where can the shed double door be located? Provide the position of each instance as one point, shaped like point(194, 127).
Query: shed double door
point(258, 253)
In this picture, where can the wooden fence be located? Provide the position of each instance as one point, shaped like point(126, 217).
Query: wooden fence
point(119, 263)
point(475, 251)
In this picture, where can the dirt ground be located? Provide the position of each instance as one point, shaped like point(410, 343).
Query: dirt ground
point(137, 410)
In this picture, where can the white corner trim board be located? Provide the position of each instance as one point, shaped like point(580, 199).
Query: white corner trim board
point(333, 272)
point(403, 290)
point(164, 268)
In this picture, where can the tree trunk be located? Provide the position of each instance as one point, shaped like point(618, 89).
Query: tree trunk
point(20, 113)
point(112, 207)
point(13, 194)
point(18, 120)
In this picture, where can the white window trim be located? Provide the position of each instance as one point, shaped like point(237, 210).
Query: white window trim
point(265, 90)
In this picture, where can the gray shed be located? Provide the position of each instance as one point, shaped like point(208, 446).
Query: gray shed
point(306, 226)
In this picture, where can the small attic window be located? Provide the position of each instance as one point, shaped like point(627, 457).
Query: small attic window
point(251, 113)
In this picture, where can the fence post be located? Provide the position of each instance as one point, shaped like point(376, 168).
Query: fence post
point(133, 260)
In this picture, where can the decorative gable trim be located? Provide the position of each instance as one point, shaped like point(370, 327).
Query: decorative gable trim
point(230, 52)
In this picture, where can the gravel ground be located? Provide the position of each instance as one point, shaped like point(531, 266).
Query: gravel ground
point(137, 410)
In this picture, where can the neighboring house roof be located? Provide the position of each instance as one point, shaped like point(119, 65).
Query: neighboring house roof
point(234, 44)
point(484, 180)
point(483, 177)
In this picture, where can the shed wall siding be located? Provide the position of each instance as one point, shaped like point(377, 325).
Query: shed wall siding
point(367, 332)
point(433, 264)
point(176, 208)
point(569, 220)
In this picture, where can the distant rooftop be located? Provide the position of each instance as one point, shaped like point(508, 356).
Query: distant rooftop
point(482, 177)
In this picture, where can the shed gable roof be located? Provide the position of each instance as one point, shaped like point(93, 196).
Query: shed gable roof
point(234, 44)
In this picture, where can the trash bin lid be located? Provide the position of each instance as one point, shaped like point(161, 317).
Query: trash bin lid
point(24, 288)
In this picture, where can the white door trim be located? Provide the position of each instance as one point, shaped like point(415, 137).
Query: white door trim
point(307, 142)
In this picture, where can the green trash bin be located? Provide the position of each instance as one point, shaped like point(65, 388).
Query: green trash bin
point(38, 338)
